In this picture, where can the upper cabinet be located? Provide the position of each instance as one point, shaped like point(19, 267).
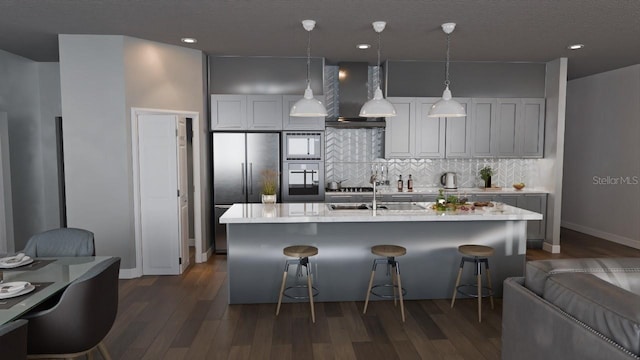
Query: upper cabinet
point(493, 127)
point(258, 112)
point(507, 127)
point(229, 112)
point(411, 134)
point(299, 123)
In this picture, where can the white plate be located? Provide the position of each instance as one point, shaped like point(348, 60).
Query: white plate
point(29, 288)
point(6, 263)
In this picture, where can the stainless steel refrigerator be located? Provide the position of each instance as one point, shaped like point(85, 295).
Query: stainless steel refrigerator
point(238, 160)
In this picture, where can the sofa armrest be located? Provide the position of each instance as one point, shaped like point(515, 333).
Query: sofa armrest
point(606, 308)
point(534, 329)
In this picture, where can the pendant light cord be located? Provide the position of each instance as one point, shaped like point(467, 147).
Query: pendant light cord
point(309, 59)
point(446, 65)
point(379, 35)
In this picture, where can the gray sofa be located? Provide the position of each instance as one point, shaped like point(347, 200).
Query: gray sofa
point(573, 309)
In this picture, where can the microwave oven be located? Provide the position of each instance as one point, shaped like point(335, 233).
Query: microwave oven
point(303, 146)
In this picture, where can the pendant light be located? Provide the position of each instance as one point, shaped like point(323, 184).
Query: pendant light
point(308, 106)
point(378, 106)
point(447, 107)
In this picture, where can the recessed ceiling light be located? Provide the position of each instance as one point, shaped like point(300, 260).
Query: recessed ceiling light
point(363, 46)
point(575, 46)
point(188, 40)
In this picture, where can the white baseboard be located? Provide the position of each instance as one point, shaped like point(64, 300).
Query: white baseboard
point(203, 257)
point(554, 249)
point(601, 234)
point(130, 273)
point(192, 242)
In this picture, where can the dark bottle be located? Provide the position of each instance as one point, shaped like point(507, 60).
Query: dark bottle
point(410, 184)
point(400, 184)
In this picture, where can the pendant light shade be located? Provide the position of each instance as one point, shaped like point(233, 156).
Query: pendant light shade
point(378, 106)
point(447, 107)
point(308, 106)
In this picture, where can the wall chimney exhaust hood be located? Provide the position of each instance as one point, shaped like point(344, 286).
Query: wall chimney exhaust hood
point(353, 92)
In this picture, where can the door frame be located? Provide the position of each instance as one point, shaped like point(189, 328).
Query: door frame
point(198, 209)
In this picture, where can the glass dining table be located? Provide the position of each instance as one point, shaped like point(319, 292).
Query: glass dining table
point(50, 275)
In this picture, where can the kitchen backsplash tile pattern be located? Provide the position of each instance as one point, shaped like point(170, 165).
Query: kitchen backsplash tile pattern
point(353, 153)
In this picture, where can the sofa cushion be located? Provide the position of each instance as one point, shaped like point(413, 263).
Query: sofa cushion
point(622, 272)
point(606, 308)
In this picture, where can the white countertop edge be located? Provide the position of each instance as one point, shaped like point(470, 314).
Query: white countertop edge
point(319, 213)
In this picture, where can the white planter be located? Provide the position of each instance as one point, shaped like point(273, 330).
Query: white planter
point(268, 199)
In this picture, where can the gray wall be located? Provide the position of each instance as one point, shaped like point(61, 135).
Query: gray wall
point(102, 78)
point(468, 79)
point(601, 191)
point(6, 208)
point(28, 94)
point(264, 75)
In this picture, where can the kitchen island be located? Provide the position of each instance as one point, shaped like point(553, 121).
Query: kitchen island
point(344, 234)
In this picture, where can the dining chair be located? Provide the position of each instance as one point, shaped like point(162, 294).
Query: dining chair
point(13, 340)
point(61, 242)
point(78, 323)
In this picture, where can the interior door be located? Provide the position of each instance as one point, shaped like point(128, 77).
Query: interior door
point(183, 193)
point(159, 213)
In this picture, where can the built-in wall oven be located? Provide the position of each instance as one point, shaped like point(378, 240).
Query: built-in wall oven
point(303, 166)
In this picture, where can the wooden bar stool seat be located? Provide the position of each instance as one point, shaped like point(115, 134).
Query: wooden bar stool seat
point(477, 254)
point(390, 252)
point(302, 253)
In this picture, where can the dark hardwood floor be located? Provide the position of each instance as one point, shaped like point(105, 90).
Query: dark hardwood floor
point(187, 317)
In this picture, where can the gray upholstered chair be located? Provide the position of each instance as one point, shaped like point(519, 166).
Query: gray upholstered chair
point(61, 242)
point(78, 323)
point(13, 340)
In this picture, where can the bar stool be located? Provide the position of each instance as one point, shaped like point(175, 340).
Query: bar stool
point(389, 252)
point(477, 254)
point(302, 252)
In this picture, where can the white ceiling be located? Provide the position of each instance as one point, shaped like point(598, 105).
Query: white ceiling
point(488, 30)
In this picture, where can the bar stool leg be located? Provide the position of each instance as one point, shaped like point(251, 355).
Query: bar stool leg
point(479, 275)
point(489, 283)
point(394, 282)
point(397, 266)
point(284, 280)
point(313, 312)
point(366, 301)
point(455, 287)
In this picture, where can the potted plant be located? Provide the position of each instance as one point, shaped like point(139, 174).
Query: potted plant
point(269, 186)
point(486, 173)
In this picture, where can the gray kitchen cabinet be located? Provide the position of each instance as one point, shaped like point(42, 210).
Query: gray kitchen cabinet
point(458, 133)
point(536, 229)
point(399, 142)
point(507, 127)
point(399, 197)
point(299, 123)
point(264, 112)
point(411, 134)
point(519, 128)
point(483, 114)
point(228, 112)
point(531, 129)
point(511, 200)
point(429, 133)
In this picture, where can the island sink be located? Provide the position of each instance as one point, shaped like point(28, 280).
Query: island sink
point(383, 206)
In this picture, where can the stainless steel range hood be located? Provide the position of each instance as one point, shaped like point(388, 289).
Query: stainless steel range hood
point(353, 92)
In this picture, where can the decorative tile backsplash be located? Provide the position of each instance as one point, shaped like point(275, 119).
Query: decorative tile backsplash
point(352, 154)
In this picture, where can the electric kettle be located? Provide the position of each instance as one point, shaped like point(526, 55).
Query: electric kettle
point(449, 180)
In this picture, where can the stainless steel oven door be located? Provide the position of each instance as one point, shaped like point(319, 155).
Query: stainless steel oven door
point(303, 182)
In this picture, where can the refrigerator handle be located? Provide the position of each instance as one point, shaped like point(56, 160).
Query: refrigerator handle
point(242, 177)
point(250, 178)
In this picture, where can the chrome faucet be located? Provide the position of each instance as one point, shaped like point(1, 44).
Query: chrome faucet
point(373, 180)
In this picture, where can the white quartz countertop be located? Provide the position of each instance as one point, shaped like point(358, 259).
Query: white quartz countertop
point(321, 213)
point(384, 190)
